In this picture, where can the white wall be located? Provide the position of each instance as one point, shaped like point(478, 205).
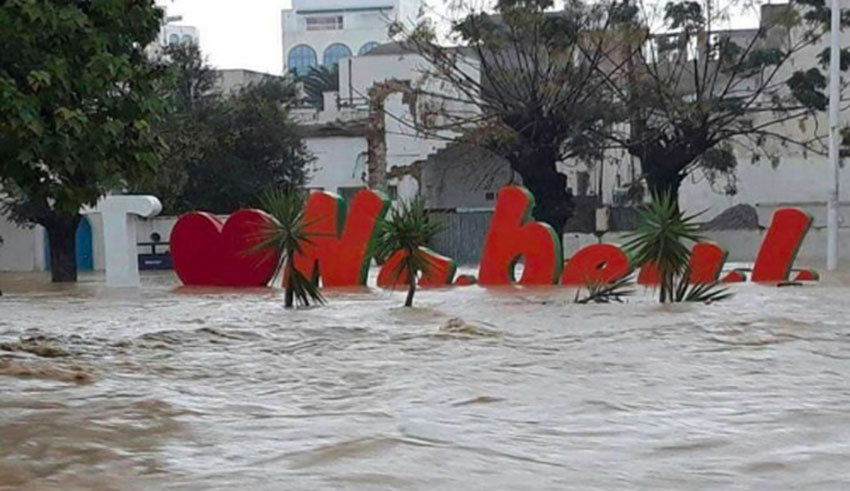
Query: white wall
point(340, 162)
point(22, 248)
point(405, 144)
point(801, 178)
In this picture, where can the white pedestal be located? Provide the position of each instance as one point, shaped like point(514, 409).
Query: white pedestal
point(120, 215)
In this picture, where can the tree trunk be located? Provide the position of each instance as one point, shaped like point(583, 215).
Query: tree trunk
point(663, 183)
point(554, 203)
point(62, 234)
point(662, 169)
point(287, 280)
point(411, 290)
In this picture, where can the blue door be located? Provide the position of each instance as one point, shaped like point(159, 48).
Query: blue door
point(85, 254)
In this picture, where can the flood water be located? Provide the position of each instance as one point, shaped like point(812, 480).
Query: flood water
point(163, 389)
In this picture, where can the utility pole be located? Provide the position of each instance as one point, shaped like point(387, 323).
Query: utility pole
point(834, 97)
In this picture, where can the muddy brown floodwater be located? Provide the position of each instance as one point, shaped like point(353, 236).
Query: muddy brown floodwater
point(163, 389)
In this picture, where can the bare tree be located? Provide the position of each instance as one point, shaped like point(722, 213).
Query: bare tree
point(537, 92)
point(693, 95)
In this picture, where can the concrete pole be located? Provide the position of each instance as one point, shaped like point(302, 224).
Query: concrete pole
point(834, 98)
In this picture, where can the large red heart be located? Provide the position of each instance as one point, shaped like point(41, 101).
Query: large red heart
point(206, 252)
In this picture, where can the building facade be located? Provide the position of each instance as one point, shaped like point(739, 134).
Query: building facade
point(231, 81)
point(323, 32)
point(174, 34)
point(336, 132)
point(771, 173)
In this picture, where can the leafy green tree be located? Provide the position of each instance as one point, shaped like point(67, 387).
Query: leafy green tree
point(254, 148)
point(78, 97)
point(224, 151)
point(195, 79)
point(408, 229)
point(695, 95)
point(185, 131)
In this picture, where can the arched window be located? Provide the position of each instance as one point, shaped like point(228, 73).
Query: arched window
point(173, 39)
point(334, 53)
point(187, 39)
point(301, 59)
point(367, 48)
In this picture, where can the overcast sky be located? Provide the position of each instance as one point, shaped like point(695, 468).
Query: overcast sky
point(246, 33)
point(235, 33)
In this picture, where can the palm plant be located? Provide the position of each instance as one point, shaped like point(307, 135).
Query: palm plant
point(604, 292)
point(661, 240)
point(286, 236)
point(408, 229)
point(319, 80)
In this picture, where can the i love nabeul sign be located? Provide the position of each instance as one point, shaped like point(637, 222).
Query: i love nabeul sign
point(207, 252)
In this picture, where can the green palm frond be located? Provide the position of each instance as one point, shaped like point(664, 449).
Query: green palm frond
point(286, 235)
point(703, 293)
point(663, 239)
point(319, 80)
point(409, 228)
point(304, 290)
point(604, 292)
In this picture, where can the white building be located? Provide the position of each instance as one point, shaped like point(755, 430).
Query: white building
point(336, 133)
point(232, 80)
point(799, 178)
point(322, 32)
point(175, 34)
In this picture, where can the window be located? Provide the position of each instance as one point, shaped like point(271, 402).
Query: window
point(489, 196)
point(333, 23)
point(392, 192)
point(367, 48)
point(334, 53)
point(187, 39)
point(173, 39)
point(301, 59)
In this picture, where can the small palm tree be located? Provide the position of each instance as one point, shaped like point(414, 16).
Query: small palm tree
point(660, 240)
point(286, 236)
point(408, 229)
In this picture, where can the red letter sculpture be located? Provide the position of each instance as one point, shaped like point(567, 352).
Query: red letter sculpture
point(512, 236)
point(597, 263)
point(207, 253)
point(787, 230)
point(807, 275)
point(440, 273)
point(735, 276)
point(706, 263)
point(465, 280)
point(341, 248)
